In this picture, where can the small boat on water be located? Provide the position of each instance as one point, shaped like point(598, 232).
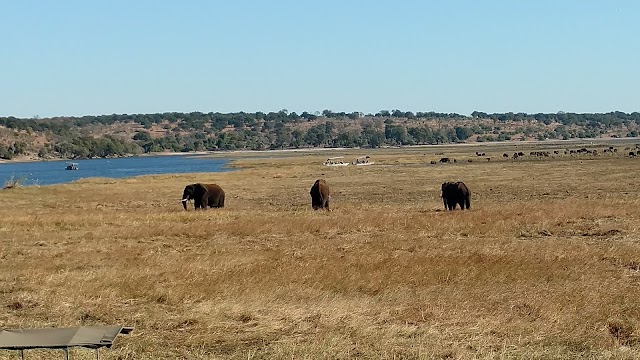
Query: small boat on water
point(72, 166)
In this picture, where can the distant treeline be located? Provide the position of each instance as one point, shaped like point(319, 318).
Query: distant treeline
point(197, 131)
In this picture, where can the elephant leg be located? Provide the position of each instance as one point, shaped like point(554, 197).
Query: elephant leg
point(205, 200)
point(218, 202)
point(326, 204)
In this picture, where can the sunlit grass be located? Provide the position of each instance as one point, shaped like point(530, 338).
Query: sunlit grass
point(544, 266)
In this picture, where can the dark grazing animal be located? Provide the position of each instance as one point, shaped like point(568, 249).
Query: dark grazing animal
point(203, 196)
point(455, 193)
point(320, 195)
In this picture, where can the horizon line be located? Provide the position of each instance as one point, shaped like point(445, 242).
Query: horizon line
point(319, 113)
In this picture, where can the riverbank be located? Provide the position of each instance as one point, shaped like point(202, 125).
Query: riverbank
point(244, 152)
point(35, 158)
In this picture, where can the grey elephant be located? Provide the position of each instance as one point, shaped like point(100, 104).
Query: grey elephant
point(203, 196)
point(454, 193)
point(320, 195)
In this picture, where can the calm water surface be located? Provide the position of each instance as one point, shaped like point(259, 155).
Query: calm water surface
point(53, 172)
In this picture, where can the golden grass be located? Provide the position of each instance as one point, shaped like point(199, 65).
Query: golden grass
point(545, 266)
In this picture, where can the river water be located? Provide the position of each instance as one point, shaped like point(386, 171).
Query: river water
point(53, 172)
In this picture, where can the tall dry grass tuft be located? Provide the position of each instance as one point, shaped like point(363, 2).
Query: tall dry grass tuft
point(620, 330)
point(13, 182)
point(542, 267)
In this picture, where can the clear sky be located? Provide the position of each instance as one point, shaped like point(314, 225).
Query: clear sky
point(87, 57)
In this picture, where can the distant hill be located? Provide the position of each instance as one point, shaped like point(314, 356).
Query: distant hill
point(122, 135)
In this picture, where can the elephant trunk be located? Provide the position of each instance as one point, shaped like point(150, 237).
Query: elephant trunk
point(184, 203)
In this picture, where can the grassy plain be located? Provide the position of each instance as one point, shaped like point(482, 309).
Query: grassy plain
point(546, 265)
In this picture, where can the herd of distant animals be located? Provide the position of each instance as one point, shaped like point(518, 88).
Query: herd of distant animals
point(632, 153)
point(453, 193)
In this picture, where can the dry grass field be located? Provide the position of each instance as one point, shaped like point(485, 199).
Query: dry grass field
point(546, 265)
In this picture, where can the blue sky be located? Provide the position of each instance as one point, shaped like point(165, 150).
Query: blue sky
point(146, 56)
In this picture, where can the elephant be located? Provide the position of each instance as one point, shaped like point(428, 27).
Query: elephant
point(454, 193)
point(320, 195)
point(203, 195)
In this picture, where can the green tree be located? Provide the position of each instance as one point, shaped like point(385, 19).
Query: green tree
point(463, 132)
point(283, 137)
point(297, 138)
point(142, 136)
point(397, 134)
